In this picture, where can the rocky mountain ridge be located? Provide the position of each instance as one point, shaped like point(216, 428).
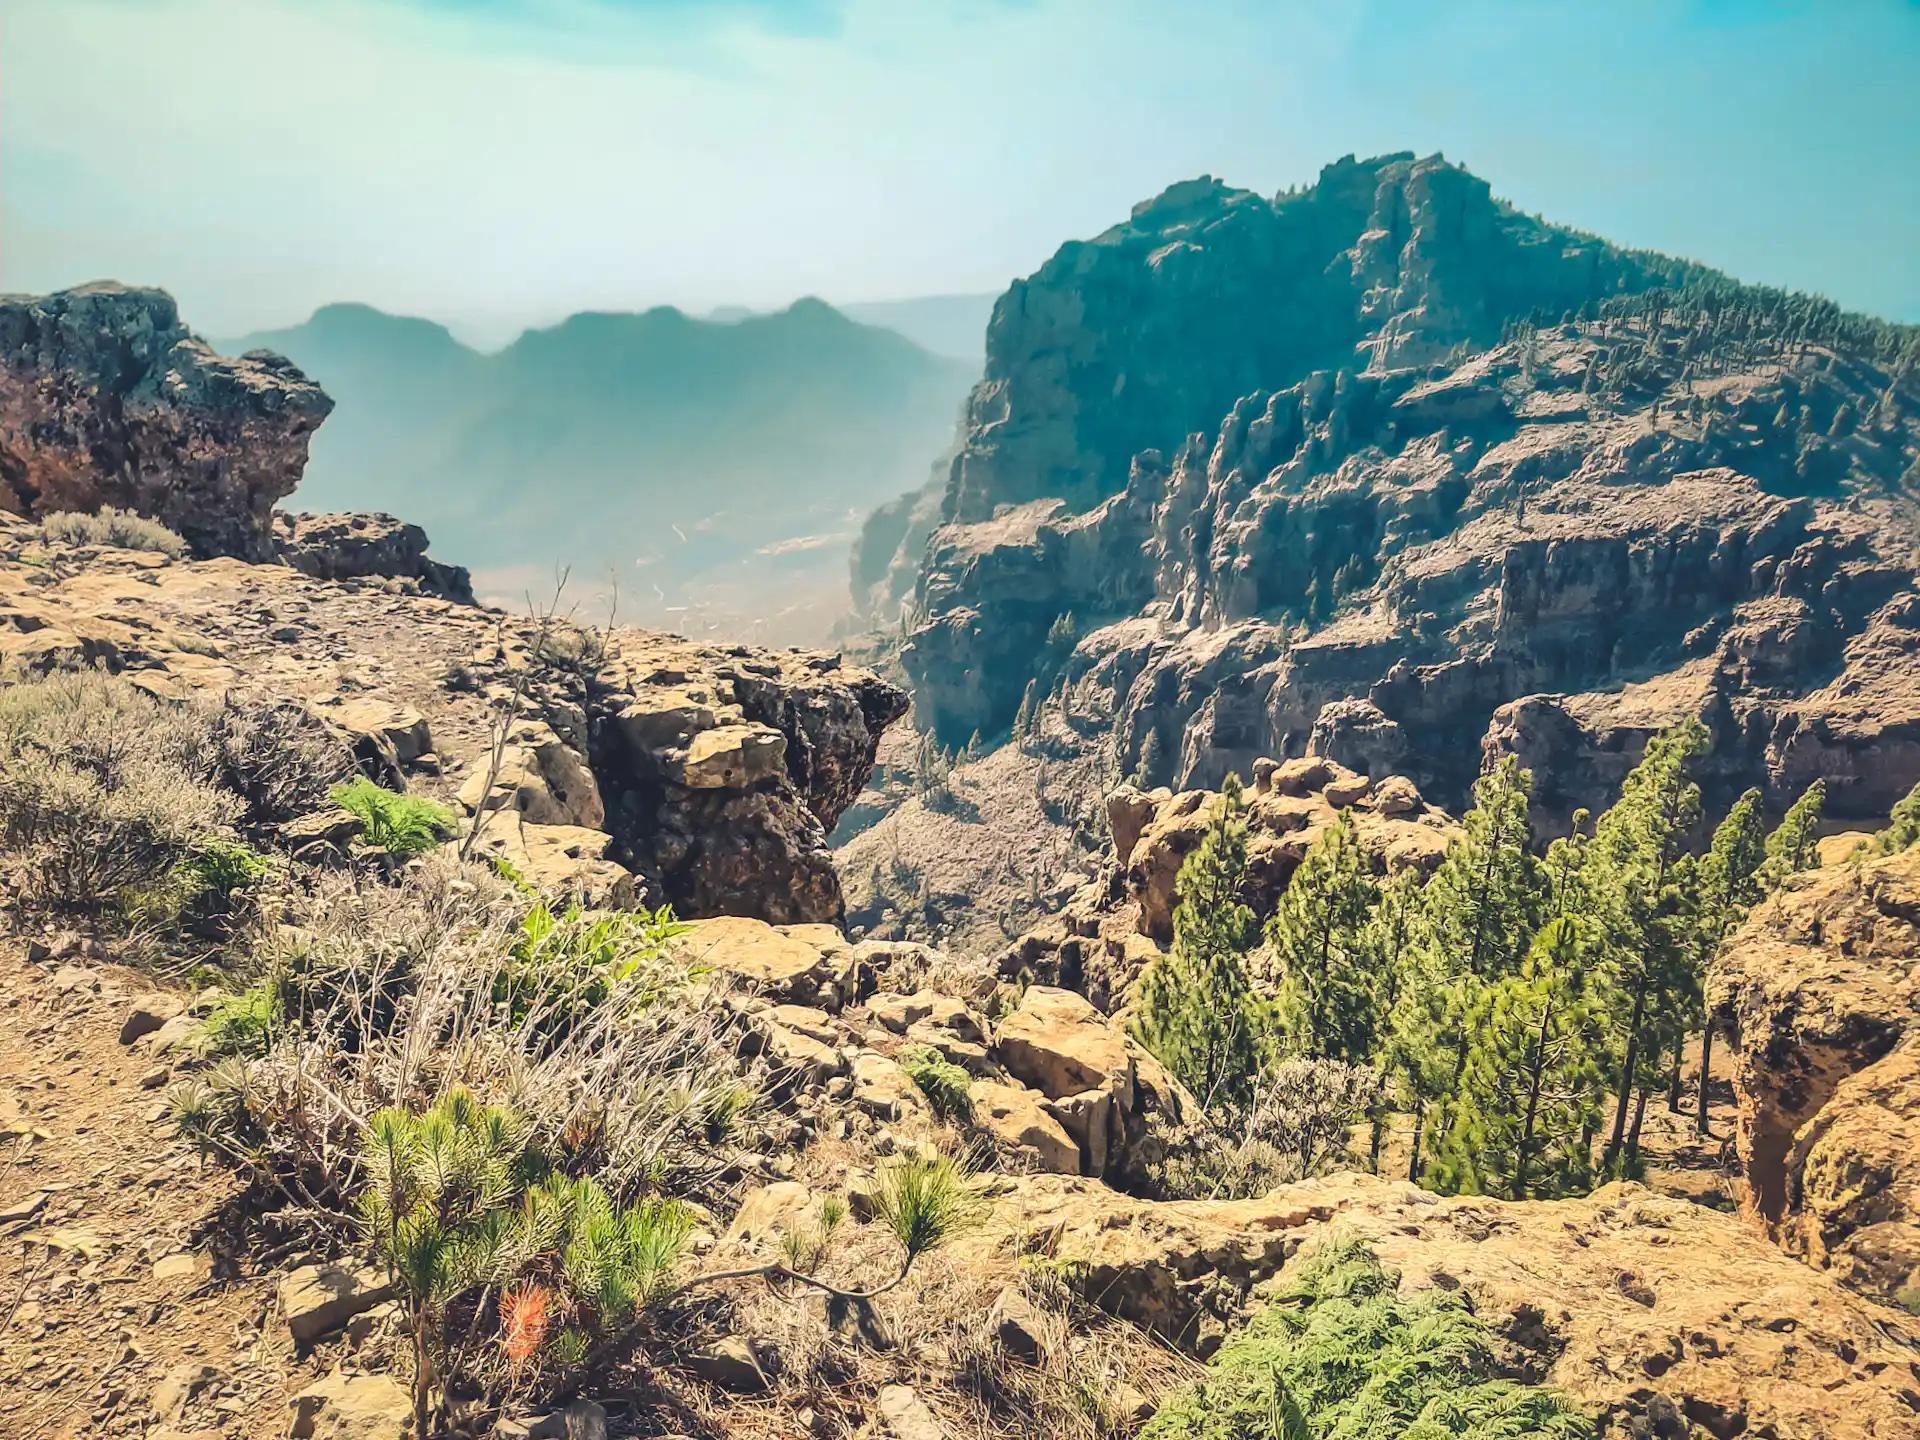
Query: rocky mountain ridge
point(702, 470)
point(1545, 508)
point(620, 766)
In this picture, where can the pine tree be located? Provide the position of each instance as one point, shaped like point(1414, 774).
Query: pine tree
point(1386, 951)
point(1728, 883)
point(1640, 888)
point(1567, 891)
point(1486, 898)
point(1328, 1004)
point(1476, 918)
point(1419, 1054)
point(1196, 1007)
point(1791, 847)
point(1535, 1079)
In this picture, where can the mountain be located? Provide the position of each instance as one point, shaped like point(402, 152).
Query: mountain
point(712, 472)
point(1386, 471)
point(953, 325)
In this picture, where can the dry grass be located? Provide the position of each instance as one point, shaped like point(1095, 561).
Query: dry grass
point(103, 790)
point(113, 526)
point(384, 995)
point(940, 1332)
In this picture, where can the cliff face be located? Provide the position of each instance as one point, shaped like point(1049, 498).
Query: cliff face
point(107, 399)
point(1156, 327)
point(1628, 511)
point(1821, 991)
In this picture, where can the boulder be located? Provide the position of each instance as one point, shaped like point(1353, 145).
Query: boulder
point(906, 1415)
point(884, 1090)
point(734, 1363)
point(540, 777)
point(734, 757)
point(351, 1407)
point(1028, 1136)
point(395, 733)
point(366, 545)
point(809, 965)
point(316, 1300)
point(148, 1014)
point(1060, 1045)
point(560, 860)
point(107, 398)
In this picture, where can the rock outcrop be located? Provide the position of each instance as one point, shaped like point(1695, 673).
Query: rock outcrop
point(1821, 992)
point(1667, 1318)
point(1107, 933)
point(611, 779)
point(1222, 498)
point(106, 398)
point(363, 546)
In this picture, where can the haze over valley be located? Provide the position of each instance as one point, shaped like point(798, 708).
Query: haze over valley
point(714, 472)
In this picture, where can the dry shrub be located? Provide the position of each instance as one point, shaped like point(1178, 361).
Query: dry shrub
point(391, 995)
point(104, 791)
point(1303, 1122)
point(111, 525)
point(281, 758)
point(940, 1333)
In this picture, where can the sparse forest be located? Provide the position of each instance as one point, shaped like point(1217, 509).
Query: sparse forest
point(1516, 1013)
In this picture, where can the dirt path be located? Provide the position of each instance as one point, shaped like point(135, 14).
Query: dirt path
point(109, 1284)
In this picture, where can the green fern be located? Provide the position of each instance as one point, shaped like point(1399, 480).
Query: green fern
point(401, 825)
point(1339, 1354)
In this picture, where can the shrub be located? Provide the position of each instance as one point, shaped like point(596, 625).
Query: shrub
point(105, 792)
point(1341, 1353)
point(461, 1210)
point(401, 825)
point(944, 1083)
point(1299, 1125)
point(389, 995)
point(565, 964)
point(111, 525)
point(209, 887)
point(282, 759)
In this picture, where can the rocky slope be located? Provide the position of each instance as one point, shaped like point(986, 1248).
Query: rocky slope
point(1821, 991)
point(1665, 1317)
point(1295, 492)
point(713, 775)
point(106, 398)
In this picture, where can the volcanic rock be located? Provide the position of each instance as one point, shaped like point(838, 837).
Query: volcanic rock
point(1821, 992)
point(106, 398)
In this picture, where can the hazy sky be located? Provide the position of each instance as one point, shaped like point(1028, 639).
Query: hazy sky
point(494, 162)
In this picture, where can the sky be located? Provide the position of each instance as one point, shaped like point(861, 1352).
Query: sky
point(495, 163)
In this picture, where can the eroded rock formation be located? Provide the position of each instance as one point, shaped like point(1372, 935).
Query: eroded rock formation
point(1289, 507)
point(1668, 1318)
point(361, 546)
point(712, 775)
point(106, 398)
point(1821, 991)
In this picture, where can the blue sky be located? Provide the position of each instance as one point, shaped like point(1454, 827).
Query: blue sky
point(499, 162)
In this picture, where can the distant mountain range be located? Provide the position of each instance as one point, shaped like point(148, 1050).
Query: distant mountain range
point(715, 470)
